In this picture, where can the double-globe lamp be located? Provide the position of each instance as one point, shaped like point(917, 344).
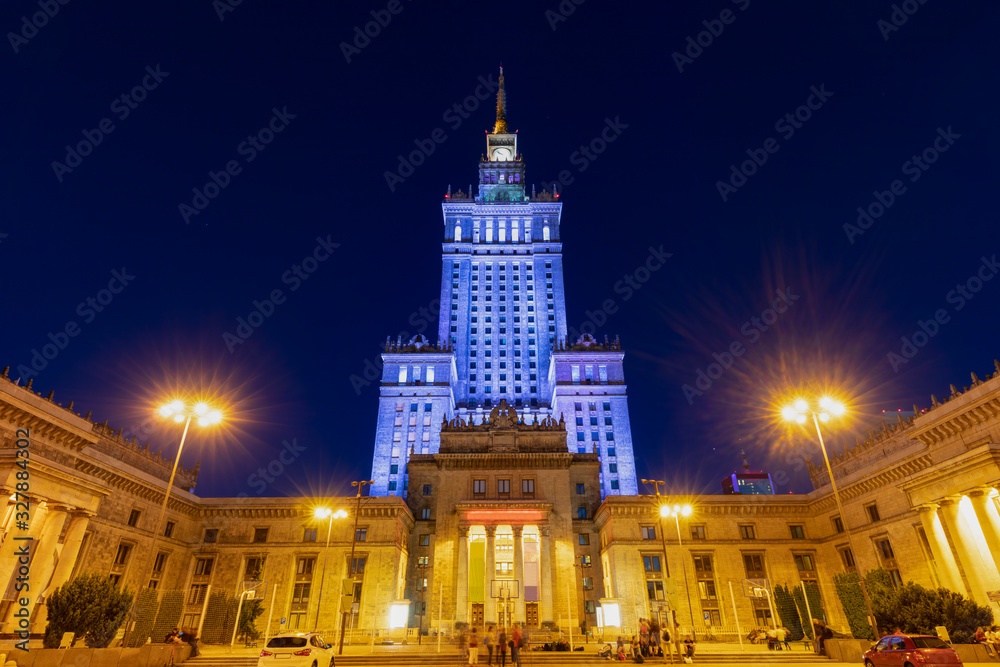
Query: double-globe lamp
point(183, 413)
point(824, 410)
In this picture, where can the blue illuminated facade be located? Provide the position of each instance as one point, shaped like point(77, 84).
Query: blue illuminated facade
point(502, 333)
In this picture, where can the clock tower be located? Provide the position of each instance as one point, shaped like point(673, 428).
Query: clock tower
point(501, 172)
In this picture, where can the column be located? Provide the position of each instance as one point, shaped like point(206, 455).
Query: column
point(519, 576)
point(989, 519)
point(977, 572)
point(44, 562)
point(545, 558)
point(462, 589)
point(8, 552)
point(944, 560)
point(41, 528)
point(71, 549)
point(490, 570)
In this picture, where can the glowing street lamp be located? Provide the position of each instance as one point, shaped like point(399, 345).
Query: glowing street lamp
point(181, 412)
point(824, 410)
point(321, 513)
point(678, 511)
point(350, 561)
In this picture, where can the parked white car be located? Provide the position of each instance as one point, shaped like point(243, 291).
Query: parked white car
point(296, 649)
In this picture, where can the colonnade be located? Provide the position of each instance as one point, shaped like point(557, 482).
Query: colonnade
point(49, 567)
point(965, 525)
point(544, 602)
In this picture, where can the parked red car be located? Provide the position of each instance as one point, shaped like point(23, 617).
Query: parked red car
point(911, 651)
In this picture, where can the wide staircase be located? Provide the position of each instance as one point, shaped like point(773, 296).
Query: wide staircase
point(428, 656)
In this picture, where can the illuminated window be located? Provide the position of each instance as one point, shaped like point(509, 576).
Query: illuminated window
point(305, 566)
point(697, 532)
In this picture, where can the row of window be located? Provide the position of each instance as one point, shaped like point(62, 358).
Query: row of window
point(747, 531)
point(428, 376)
point(503, 487)
point(502, 233)
point(211, 535)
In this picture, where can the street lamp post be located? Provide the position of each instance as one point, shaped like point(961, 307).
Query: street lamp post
point(828, 408)
point(350, 561)
point(422, 568)
point(325, 513)
point(676, 511)
point(583, 565)
point(663, 536)
point(179, 411)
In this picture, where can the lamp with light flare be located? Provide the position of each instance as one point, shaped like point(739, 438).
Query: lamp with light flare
point(800, 409)
point(178, 411)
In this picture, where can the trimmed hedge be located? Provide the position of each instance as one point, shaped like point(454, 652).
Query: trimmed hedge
point(785, 606)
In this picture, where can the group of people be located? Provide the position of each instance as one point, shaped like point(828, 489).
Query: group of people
point(185, 636)
point(496, 645)
point(775, 637)
point(989, 636)
point(646, 643)
point(649, 643)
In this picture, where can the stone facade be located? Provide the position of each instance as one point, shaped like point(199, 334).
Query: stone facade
point(919, 499)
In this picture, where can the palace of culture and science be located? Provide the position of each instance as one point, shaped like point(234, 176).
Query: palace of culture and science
point(502, 334)
point(504, 483)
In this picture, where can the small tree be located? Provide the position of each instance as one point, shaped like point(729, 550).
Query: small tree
point(145, 615)
point(91, 606)
point(785, 606)
point(853, 601)
point(815, 607)
point(248, 619)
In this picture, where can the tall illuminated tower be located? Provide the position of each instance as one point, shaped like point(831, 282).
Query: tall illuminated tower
point(502, 332)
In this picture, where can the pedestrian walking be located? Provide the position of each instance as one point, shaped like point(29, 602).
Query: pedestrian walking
point(473, 648)
point(502, 647)
point(489, 640)
point(515, 646)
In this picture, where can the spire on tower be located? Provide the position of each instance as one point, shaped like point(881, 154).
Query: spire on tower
point(501, 125)
point(746, 466)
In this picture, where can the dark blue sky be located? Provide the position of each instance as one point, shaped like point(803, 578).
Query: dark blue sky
point(879, 97)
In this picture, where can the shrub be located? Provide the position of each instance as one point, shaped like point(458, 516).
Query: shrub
point(910, 607)
point(815, 607)
point(169, 615)
point(853, 601)
point(145, 615)
point(91, 606)
point(248, 619)
point(785, 606)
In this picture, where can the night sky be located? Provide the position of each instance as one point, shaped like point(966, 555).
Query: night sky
point(262, 132)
